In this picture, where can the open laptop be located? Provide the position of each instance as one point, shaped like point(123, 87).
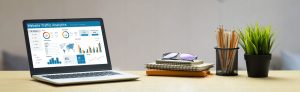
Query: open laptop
point(68, 51)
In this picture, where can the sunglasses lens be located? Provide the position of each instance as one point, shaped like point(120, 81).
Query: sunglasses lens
point(170, 55)
point(188, 57)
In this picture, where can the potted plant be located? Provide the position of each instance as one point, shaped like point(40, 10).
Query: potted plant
point(257, 42)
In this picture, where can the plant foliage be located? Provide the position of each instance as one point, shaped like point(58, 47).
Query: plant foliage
point(256, 40)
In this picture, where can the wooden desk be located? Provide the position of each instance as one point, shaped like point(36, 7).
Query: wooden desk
point(278, 81)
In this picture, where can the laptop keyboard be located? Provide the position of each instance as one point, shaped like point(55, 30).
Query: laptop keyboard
point(80, 75)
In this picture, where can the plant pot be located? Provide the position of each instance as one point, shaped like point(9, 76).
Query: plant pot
point(257, 65)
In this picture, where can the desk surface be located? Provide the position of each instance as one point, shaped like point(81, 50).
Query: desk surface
point(278, 81)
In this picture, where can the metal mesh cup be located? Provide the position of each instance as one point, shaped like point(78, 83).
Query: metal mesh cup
point(227, 61)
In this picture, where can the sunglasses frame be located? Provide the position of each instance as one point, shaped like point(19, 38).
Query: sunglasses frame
point(178, 58)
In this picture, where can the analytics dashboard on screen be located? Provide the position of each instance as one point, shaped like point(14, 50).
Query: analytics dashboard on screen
point(56, 44)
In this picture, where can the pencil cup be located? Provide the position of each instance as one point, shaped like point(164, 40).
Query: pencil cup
point(227, 61)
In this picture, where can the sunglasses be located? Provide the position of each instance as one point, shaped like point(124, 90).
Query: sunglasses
point(178, 56)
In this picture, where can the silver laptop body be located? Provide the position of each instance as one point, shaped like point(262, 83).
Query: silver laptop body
point(69, 51)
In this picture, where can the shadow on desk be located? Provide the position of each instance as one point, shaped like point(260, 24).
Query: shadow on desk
point(272, 78)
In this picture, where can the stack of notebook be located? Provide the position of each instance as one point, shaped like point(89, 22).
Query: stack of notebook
point(195, 68)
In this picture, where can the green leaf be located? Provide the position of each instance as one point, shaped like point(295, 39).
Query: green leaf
point(256, 40)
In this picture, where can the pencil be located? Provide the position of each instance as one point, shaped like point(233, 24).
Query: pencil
point(226, 42)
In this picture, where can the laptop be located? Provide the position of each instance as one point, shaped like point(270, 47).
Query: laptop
point(68, 51)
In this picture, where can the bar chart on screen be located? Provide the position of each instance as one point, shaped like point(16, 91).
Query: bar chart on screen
point(54, 61)
point(90, 49)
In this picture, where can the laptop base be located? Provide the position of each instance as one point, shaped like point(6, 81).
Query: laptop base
point(66, 81)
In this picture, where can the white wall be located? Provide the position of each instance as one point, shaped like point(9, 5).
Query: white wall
point(139, 31)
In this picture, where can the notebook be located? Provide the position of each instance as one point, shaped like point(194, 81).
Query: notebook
point(200, 67)
point(154, 72)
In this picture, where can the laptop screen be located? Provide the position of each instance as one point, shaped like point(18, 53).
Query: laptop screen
point(70, 43)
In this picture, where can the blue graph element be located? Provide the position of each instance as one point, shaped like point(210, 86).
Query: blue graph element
point(90, 49)
point(80, 59)
point(69, 47)
point(95, 33)
point(84, 33)
point(54, 61)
